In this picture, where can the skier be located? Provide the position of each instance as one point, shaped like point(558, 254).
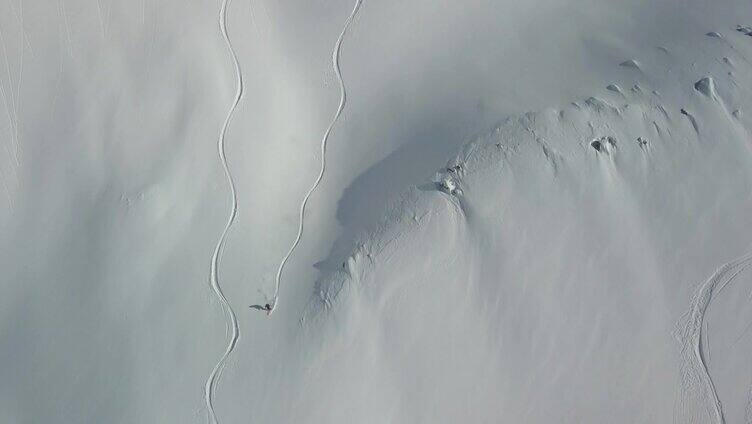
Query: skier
point(267, 307)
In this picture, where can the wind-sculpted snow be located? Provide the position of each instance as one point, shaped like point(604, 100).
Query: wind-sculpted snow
point(549, 264)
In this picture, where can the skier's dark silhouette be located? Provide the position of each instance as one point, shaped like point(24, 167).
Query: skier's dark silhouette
point(267, 307)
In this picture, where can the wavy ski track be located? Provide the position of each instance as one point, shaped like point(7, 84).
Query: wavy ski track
point(342, 101)
point(694, 364)
point(232, 320)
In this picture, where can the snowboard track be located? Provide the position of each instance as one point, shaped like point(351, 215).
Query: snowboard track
point(324, 140)
point(231, 318)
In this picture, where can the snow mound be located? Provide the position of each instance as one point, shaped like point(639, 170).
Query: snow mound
point(631, 63)
point(615, 88)
point(706, 86)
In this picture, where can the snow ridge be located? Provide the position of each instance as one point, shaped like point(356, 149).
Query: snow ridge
point(325, 138)
point(232, 320)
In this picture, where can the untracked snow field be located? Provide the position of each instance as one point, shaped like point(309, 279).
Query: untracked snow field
point(350, 211)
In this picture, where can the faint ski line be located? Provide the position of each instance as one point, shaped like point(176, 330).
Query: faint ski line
point(17, 105)
point(19, 19)
point(342, 101)
point(101, 20)
point(232, 321)
point(253, 21)
point(12, 110)
point(10, 122)
point(706, 334)
point(64, 14)
point(691, 333)
point(108, 19)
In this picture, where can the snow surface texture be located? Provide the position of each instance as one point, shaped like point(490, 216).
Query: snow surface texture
point(587, 262)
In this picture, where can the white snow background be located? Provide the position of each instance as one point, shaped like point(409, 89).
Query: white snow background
point(534, 211)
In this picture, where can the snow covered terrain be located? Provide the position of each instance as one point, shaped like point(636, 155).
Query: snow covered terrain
point(511, 212)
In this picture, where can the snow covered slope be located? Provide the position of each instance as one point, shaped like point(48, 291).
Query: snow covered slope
point(556, 271)
point(585, 262)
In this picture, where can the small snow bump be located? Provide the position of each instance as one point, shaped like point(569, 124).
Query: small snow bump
point(706, 86)
point(714, 34)
point(598, 104)
point(631, 63)
point(737, 113)
point(613, 87)
point(744, 29)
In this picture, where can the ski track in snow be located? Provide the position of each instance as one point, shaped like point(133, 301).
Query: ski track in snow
point(694, 363)
point(232, 320)
point(12, 104)
point(342, 101)
point(12, 107)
